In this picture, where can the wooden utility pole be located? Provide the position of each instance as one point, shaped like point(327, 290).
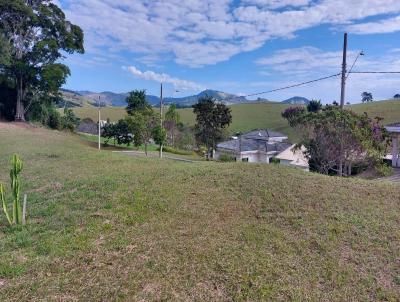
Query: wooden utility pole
point(98, 106)
point(344, 71)
point(342, 99)
point(161, 117)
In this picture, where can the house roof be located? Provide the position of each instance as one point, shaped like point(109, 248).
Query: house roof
point(252, 145)
point(263, 134)
point(296, 157)
point(394, 128)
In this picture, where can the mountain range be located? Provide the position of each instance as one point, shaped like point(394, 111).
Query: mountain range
point(107, 98)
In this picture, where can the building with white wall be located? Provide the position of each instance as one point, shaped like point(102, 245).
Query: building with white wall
point(394, 131)
point(257, 146)
point(294, 158)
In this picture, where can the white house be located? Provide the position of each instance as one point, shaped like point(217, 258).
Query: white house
point(294, 158)
point(257, 146)
point(394, 131)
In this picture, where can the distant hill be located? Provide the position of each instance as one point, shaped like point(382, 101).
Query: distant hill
point(108, 98)
point(118, 99)
point(297, 100)
point(74, 99)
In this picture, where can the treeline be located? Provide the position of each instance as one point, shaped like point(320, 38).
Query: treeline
point(143, 125)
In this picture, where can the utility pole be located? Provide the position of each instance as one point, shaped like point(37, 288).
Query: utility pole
point(344, 71)
point(161, 117)
point(342, 99)
point(98, 106)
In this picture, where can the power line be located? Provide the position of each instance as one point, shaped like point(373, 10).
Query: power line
point(373, 72)
point(295, 85)
point(361, 53)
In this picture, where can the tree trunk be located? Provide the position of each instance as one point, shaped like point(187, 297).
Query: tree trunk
point(173, 136)
point(161, 150)
point(145, 148)
point(19, 112)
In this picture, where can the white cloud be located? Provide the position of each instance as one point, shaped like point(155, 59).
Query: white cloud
point(379, 27)
point(164, 78)
point(273, 4)
point(202, 32)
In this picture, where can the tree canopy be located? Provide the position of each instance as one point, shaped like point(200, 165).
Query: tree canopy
point(36, 33)
point(366, 97)
point(211, 119)
point(335, 136)
point(137, 102)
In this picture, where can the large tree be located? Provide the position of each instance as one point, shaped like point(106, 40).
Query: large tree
point(212, 118)
point(37, 33)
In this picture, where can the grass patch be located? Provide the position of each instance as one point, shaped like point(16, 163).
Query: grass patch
point(104, 226)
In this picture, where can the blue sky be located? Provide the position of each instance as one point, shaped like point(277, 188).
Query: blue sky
point(236, 46)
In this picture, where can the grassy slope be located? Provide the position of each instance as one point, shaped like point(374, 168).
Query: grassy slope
point(389, 110)
point(108, 227)
point(260, 115)
point(245, 116)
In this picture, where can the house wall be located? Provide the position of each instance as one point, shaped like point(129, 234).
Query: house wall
point(289, 163)
point(252, 156)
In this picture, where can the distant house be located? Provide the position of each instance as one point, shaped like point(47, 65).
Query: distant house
point(394, 131)
point(294, 158)
point(257, 146)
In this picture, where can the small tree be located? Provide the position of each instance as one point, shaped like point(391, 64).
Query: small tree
point(141, 125)
point(69, 120)
point(172, 119)
point(212, 119)
point(109, 133)
point(159, 135)
point(314, 106)
point(118, 132)
point(122, 132)
point(366, 97)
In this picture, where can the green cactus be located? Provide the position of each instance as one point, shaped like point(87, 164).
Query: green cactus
point(16, 168)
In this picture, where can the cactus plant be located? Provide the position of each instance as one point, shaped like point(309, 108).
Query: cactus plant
point(16, 168)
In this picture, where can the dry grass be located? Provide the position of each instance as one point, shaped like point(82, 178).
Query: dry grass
point(106, 227)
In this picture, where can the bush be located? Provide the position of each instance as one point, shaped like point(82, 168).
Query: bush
point(384, 170)
point(226, 158)
point(175, 151)
point(69, 121)
point(54, 119)
point(274, 160)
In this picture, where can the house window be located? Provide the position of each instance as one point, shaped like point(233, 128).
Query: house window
point(245, 159)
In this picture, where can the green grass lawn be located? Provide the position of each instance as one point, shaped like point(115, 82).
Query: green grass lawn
point(389, 110)
point(248, 117)
point(108, 227)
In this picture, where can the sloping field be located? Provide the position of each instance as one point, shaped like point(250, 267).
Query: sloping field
point(247, 117)
point(107, 227)
point(389, 110)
